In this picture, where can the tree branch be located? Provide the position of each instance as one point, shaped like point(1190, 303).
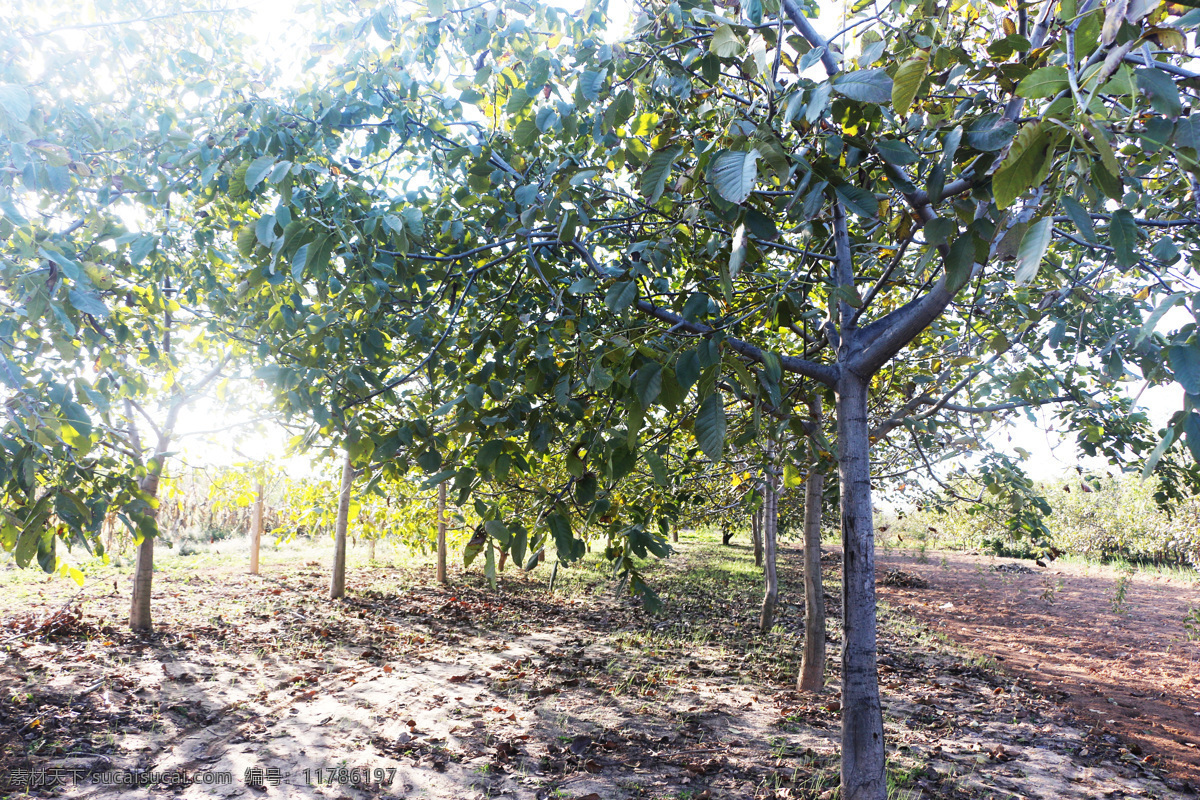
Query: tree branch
point(810, 34)
point(820, 372)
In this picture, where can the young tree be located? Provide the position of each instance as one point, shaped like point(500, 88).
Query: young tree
point(92, 139)
point(548, 223)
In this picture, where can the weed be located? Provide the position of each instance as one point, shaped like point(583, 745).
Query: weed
point(1191, 624)
point(1050, 590)
point(1121, 590)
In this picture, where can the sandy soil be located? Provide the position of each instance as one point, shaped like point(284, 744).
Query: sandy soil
point(407, 689)
point(1123, 666)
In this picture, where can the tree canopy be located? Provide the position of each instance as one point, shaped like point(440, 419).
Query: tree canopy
point(492, 244)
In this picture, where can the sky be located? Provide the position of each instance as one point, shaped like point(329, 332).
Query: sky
point(1051, 454)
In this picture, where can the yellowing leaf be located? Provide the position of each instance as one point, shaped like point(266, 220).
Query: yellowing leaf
point(907, 82)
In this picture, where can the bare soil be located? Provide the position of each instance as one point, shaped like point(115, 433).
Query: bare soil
point(1123, 665)
point(259, 686)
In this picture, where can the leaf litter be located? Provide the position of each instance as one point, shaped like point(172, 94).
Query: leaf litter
point(465, 692)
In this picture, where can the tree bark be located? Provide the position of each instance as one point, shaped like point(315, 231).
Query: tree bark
point(812, 666)
point(863, 756)
point(256, 527)
point(337, 582)
point(143, 573)
point(441, 534)
point(370, 549)
point(756, 522)
point(770, 528)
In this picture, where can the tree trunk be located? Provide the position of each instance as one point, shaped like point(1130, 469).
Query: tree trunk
point(256, 528)
point(756, 524)
point(812, 666)
point(371, 549)
point(674, 534)
point(143, 572)
point(770, 527)
point(863, 756)
point(337, 583)
point(441, 534)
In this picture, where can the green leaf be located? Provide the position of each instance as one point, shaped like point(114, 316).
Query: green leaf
point(990, 133)
point(906, 83)
point(1185, 363)
point(1044, 82)
point(1123, 236)
point(1020, 167)
point(1107, 157)
point(526, 133)
point(754, 12)
point(696, 307)
point(620, 296)
point(258, 170)
point(1079, 215)
point(1033, 247)
point(734, 173)
point(761, 225)
point(15, 103)
point(566, 546)
point(142, 247)
point(518, 544)
point(489, 565)
point(647, 383)
point(1162, 91)
point(860, 201)
point(959, 262)
point(864, 85)
point(488, 453)
point(725, 43)
point(46, 557)
point(590, 84)
point(247, 240)
point(414, 221)
point(1165, 250)
point(1157, 314)
point(658, 169)
point(938, 230)
point(687, 369)
point(472, 550)
point(298, 262)
point(896, 152)
point(10, 212)
point(710, 426)
point(1152, 462)
point(1191, 432)
point(657, 468)
point(88, 303)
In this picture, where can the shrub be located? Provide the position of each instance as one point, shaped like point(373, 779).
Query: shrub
point(1100, 518)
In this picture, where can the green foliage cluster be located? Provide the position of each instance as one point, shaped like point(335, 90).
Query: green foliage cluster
point(1097, 518)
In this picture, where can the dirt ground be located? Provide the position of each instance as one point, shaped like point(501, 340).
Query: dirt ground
point(260, 687)
point(1122, 664)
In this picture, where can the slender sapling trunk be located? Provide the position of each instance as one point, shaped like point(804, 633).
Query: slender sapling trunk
point(812, 666)
point(756, 525)
point(143, 573)
point(256, 527)
point(337, 583)
point(770, 528)
point(441, 534)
